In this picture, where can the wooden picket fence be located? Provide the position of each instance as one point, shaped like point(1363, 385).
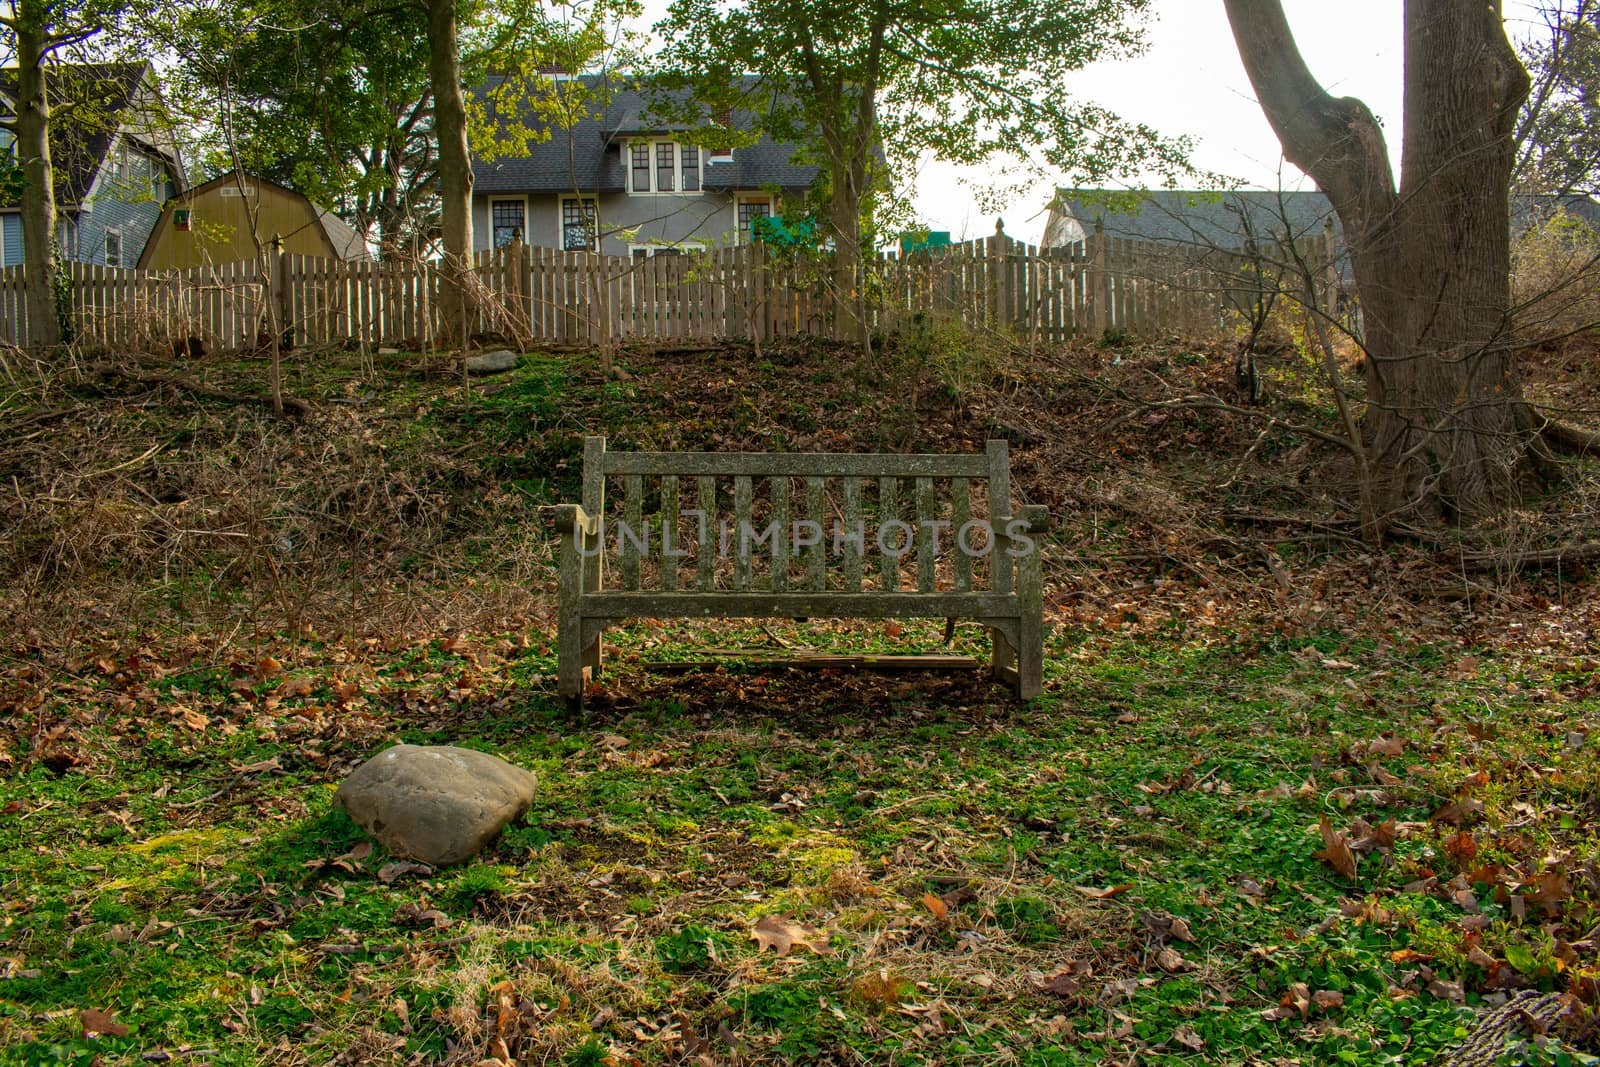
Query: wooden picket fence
point(1039, 295)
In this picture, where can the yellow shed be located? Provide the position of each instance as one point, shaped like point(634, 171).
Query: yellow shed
point(211, 224)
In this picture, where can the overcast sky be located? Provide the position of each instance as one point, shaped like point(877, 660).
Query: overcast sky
point(1192, 82)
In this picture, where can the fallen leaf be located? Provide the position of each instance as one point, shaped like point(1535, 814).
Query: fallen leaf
point(1296, 1000)
point(262, 767)
point(1169, 960)
point(1551, 887)
point(1102, 894)
point(1063, 982)
point(1450, 991)
point(390, 871)
point(1458, 812)
point(1386, 747)
point(95, 1021)
point(299, 686)
point(362, 850)
point(941, 911)
point(1336, 850)
point(1186, 1036)
point(1327, 999)
point(781, 935)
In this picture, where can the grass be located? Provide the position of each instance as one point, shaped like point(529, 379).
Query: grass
point(959, 853)
point(202, 645)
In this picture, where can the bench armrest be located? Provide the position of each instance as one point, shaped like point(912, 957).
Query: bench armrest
point(1037, 516)
point(571, 518)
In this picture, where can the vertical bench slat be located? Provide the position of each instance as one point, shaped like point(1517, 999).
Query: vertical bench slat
point(669, 532)
point(927, 546)
point(852, 527)
point(1000, 513)
point(594, 502)
point(707, 534)
point(817, 561)
point(741, 527)
point(780, 538)
point(632, 511)
point(888, 510)
point(960, 515)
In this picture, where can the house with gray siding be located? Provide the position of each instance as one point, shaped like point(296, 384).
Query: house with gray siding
point(1202, 219)
point(113, 167)
point(624, 181)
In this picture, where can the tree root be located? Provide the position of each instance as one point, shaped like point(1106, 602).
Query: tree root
point(1527, 1012)
point(1565, 437)
point(292, 406)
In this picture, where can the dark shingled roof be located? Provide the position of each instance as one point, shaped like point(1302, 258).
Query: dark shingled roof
point(587, 157)
point(1219, 219)
point(78, 142)
point(1187, 217)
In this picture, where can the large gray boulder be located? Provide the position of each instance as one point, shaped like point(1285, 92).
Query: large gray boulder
point(496, 362)
point(435, 803)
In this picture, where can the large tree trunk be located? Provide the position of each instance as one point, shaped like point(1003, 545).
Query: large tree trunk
point(1447, 431)
point(39, 194)
point(457, 294)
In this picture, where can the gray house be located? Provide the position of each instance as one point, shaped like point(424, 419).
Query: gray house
point(113, 168)
point(1225, 219)
point(625, 182)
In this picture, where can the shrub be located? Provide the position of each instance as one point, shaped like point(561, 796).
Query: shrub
point(1555, 278)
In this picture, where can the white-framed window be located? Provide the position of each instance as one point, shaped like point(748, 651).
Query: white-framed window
point(113, 248)
point(663, 166)
point(579, 218)
point(508, 218)
point(119, 160)
point(748, 207)
point(682, 248)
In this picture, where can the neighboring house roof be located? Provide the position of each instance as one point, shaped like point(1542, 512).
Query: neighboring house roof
point(346, 243)
point(1187, 217)
point(1224, 219)
point(80, 139)
point(586, 157)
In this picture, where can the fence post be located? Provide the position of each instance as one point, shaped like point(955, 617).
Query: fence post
point(999, 290)
point(1098, 301)
point(1330, 252)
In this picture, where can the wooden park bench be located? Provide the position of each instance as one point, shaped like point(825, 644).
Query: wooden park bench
point(704, 557)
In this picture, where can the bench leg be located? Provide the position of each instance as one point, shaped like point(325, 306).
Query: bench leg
point(1002, 657)
point(569, 664)
point(1030, 664)
point(591, 657)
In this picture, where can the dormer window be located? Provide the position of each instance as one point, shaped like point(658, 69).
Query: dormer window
point(663, 166)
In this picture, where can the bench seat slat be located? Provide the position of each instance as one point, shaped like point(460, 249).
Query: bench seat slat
point(632, 512)
point(741, 533)
point(707, 533)
point(669, 537)
point(852, 526)
point(817, 555)
point(799, 465)
point(780, 543)
point(927, 544)
point(960, 514)
point(756, 605)
point(888, 511)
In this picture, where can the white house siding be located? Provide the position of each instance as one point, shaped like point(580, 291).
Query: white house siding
point(707, 218)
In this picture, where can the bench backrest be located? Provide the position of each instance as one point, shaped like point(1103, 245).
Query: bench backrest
point(851, 522)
